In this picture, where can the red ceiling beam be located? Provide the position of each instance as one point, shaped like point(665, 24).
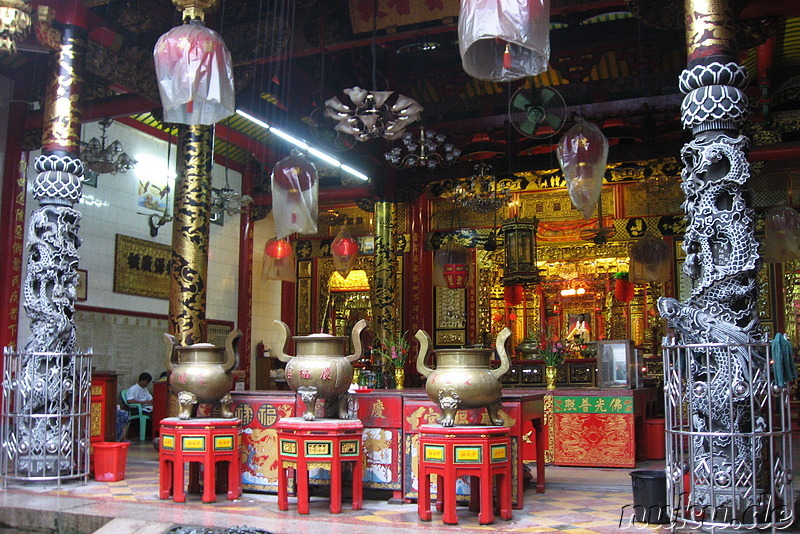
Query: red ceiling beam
point(767, 8)
point(775, 152)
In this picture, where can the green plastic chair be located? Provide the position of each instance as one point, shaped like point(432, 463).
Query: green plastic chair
point(136, 412)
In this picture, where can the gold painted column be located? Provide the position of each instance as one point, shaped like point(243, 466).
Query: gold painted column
point(384, 313)
point(190, 229)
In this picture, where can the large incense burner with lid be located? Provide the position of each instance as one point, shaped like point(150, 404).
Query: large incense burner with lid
point(321, 367)
point(202, 373)
point(463, 378)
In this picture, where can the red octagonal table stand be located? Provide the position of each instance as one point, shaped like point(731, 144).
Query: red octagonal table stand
point(304, 445)
point(198, 442)
point(480, 452)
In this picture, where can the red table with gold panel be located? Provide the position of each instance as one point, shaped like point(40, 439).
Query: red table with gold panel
point(391, 419)
point(598, 427)
point(319, 444)
point(380, 411)
point(481, 453)
point(383, 439)
point(259, 412)
point(198, 443)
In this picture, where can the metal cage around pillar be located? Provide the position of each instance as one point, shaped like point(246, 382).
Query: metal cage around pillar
point(45, 417)
point(520, 246)
point(729, 450)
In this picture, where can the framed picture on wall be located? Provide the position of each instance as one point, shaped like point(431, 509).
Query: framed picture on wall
point(81, 288)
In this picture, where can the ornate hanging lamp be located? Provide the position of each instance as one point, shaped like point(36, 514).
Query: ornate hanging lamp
point(650, 260)
point(583, 153)
point(102, 158)
point(373, 114)
point(481, 192)
point(194, 70)
point(781, 235)
point(225, 199)
point(520, 260)
point(429, 151)
point(15, 22)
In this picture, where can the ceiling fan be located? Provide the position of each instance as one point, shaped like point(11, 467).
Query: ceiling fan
point(601, 234)
point(537, 112)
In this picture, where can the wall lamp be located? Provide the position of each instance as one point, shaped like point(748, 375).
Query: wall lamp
point(302, 145)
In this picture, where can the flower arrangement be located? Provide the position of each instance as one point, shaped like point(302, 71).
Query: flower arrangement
point(394, 349)
point(552, 352)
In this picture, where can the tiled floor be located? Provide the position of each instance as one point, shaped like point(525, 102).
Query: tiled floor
point(579, 501)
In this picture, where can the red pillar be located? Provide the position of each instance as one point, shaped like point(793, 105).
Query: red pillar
point(418, 284)
point(244, 317)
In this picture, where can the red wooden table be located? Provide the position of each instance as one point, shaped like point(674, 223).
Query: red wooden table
point(303, 445)
point(480, 452)
point(198, 442)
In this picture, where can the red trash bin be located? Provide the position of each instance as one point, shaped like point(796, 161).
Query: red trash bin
point(109, 461)
point(655, 432)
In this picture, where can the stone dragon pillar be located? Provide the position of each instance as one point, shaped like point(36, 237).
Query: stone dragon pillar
point(716, 381)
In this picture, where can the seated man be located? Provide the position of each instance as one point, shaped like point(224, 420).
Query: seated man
point(139, 394)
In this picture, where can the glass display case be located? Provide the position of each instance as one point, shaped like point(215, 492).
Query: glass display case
point(618, 364)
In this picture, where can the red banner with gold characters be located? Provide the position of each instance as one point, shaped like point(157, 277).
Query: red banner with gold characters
point(398, 12)
point(12, 243)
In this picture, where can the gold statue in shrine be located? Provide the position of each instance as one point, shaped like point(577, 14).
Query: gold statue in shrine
point(579, 333)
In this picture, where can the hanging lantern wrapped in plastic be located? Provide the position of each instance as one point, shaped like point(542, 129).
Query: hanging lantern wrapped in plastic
point(504, 41)
point(279, 261)
point(344, 250)
point(451, 266)
point(650, 260)
point(582, 154)
point(195, 75)
point(295, 190)
point(781, 235)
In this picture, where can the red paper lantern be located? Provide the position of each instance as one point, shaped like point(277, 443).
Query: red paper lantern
point(623, 290)
point(195, 75)
point(456, 275)
point(451, 266)
point(278, 248)
point(513, 294)
point(512, 316)
point(344, 250)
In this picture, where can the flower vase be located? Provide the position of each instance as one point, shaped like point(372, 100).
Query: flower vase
point(399, 377)
point(550, 373)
